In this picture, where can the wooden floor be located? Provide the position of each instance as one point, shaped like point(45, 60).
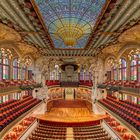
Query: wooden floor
point(70, 115)
point(71, 111)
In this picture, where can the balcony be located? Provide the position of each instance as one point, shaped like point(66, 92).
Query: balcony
point(69, 84)
point(8, 86)
point(119, 88)
point(9, 89)
point(87, 83)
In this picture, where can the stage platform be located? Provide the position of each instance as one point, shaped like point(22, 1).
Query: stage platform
point(70, 115)
point(71, 111)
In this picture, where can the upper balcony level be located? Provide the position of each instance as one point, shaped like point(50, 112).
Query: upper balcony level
point(17, 85)
point(87, 83)
point(124, 86)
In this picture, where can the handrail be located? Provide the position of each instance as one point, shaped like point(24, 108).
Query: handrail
point(119, 88)
point(122, 121)
point(9, 89)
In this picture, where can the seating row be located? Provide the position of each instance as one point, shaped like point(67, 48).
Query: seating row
point(18, 107)
point(132, 84)
point(128, 112)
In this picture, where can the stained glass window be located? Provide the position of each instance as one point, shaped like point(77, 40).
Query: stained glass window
point(139, 68)
point(133, 70)
point(0, 67)
point(82, 75)
point(5, 69)
point(64, 18)
point(115, 72)
point(122, 70)
point(19, 72)
point(16, 69)
point(24, 72)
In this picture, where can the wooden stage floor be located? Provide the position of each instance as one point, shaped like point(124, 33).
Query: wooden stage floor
point(70, 115)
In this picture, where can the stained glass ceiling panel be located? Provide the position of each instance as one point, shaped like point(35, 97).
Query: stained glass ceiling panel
point(70, 22)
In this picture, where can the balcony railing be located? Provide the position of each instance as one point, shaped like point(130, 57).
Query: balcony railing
point(12, 88)
point(9, 89)
point(69, 83)
point(119, 88)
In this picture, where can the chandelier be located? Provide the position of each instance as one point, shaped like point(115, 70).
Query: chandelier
point(70, 34)
point(5, 53)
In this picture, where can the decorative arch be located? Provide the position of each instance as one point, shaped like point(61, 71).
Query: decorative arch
point(128, 45)
point(10, 45)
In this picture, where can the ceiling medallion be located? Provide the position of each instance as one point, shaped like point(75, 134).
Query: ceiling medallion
point(70, 34)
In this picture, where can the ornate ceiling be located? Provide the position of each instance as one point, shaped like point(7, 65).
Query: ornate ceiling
point(104, 22)
point(69, 21)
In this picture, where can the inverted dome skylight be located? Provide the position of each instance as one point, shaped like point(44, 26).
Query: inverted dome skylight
point(70, 22)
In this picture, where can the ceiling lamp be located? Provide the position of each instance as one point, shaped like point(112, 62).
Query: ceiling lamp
point(70, 34)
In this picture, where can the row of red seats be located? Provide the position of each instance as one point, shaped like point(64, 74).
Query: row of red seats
point(127, 112)
point(64, 124)
point(126, 102)
point(17, 108)
point(132, 84)
point(45, 131)
point(13, 103)
point(52, 82)
point(90, 132)
point(86, 83)
point(48, 132)
point(9, 83)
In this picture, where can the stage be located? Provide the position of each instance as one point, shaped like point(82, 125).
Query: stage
point(70, 115)
point(71, 111)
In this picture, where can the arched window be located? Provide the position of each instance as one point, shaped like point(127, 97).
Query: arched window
point(82, 73)
point(5, 69)
point(52, 75)
point(115, 72)
point(133, 69)
point(1, 67)
point(122, 70)
point(16, 69)
point(24, 70)
point(138, 68)
point(5, 56)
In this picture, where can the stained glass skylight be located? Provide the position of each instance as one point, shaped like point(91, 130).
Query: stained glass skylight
point(70, 22)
